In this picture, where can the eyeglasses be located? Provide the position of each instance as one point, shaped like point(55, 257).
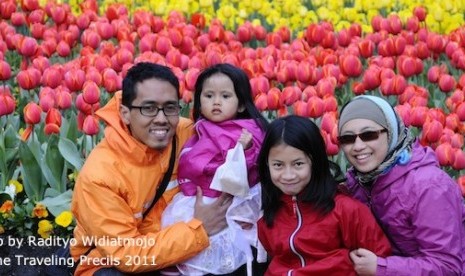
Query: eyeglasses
point(152, 110)
point(364, 136)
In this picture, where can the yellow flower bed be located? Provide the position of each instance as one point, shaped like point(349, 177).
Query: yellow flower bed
point(443, 16)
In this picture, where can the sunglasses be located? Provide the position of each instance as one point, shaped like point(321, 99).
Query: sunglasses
point(364, 136)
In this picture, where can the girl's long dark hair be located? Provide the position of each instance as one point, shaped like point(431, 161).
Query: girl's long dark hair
point(303, 134)
point(242, 89)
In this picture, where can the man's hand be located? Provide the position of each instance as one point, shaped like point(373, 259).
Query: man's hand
point(365, 261)
point(245, 139)
point(213, 216)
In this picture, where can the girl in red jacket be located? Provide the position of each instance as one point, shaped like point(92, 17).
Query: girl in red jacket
point(308, 226)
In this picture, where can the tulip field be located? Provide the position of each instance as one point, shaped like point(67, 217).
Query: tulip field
point(60, 62)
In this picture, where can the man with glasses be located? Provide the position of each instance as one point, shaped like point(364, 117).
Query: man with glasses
point(115, 233)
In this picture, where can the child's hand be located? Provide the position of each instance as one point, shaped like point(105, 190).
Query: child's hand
point(365, 261)
point(245, 139)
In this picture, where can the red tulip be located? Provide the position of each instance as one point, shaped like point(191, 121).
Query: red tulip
point(63, 98)
point(7, 8)
point(28, 79)
point(50, 129)
point(90, 92)
point(53, 117)
point(260, 32)
point(7, 104)
point(74, 79)
point(432, 131)
point(47, 102)
point(90, 38)
point(330, 103)
point(28, 46)
point(412, 24)
point(366, 48)
point(344, 38)
point(198, 20)
point(261, 102)
point(406, 66)
point(105, 30)
point(459, 160)
point(90, 125)
point(273, 39)
point(5, 70)
point(52, 77)
point(111, 81)
point(457, 141)
point(244, 34)
point(435, 71)
point(422, 50)
point(273, 99)
point(315, 107)
point(18, 19)
point(461, 182)
point(445, 154)
point(418, 115)
point(358, 88)
point(216, 33)
point(300, 108)
point(460, 111)
point(331, 148)
point(32, 113)
point(314, 34)
point(404, 113)
point(350, 65)
point(371, 78)
point(446, 83)
point(420, 13)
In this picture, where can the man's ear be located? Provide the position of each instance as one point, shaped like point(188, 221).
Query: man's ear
point(241, 109)
point(124, 114)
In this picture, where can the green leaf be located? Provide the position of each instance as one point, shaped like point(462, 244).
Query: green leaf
point(70, 153)
point(56, 202)
point(54, 165)
point(33, 181)
point(11, 138)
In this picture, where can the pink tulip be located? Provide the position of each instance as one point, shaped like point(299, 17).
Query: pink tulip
point(90, 125)
point(7, 104)
point(5, 70)
point(28, 79)
point(446, 83)
point(105, 30)
point(273, 99)
point(63, 98)
point(261, 102)
point(412, 24)
point(315, 107)
point(90, 92)
point(18, 19)
point(432, 131)
point(74, 79)
point(28, 46)
point(53, 117)
point(460, 111)
point(300, 108)
point(445, 154)
point(366, 48)
point(7, 8)
point(350, 65)
point(459, 160)
point(420, 13)
point(111, 81)
point(32, 113)
point(52, 77)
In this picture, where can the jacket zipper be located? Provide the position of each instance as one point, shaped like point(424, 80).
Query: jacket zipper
point(298, 215)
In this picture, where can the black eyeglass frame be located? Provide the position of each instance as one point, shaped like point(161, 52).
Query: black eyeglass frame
point(157, 109)
point(365, 136)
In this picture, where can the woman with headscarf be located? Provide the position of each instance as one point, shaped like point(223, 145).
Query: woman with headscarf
point(418, 205)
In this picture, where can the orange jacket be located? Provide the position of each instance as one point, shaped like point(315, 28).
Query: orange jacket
point(115, 186)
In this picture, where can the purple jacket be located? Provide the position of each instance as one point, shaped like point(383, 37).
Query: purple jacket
point(207, 150)
point(422, 212)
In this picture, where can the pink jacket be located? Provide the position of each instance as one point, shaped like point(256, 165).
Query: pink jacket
point(204, 152)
